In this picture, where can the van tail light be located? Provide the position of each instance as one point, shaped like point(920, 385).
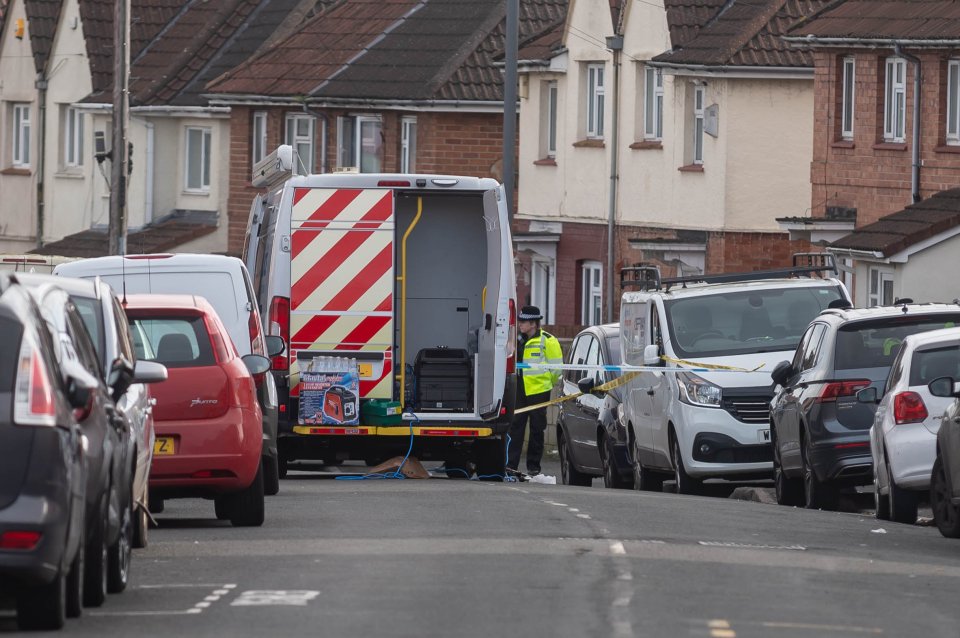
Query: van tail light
point(908, 407)
point(280, 326)
point(836, 389)
point(17, 539)
point(33, 402)
point(512, 339)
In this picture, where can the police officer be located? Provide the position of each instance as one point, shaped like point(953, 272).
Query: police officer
point(535, 346)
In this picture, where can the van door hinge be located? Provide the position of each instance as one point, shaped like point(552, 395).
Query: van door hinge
point(285, 243)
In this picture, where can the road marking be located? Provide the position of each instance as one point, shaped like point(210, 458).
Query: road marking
point(718, 624)
point(853, 629)
point(720, 628)
point(181, 586)
point(260, 598)
point(799, 548)
point(180, 612)
point(617, 548)
point(572, 509)
point(583, 516)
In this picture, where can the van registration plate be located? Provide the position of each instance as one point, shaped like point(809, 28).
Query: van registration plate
point(764, 436)
point(163, 446)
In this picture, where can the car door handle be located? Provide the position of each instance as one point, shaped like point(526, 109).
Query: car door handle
point(650, 392)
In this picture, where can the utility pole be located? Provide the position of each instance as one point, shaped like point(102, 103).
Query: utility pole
point(615, 44)
point(510, 101)
point(118, 153)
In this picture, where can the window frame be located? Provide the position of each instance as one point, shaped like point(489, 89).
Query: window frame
point(953, 102)
point(875, 286)
point(848, 97)
point(591, 293)
point(292, 137)
point(543, 299)
point(596, 95)
point(552, 102)
point(20, 135)
point(354, 124)
point(895, 100)
point(652, 104)
point(258, 137)
point(408, 144)
point(699, 102)
point(206, 149)
point(72, 137)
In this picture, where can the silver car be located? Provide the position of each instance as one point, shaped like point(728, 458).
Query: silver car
point(904, 432)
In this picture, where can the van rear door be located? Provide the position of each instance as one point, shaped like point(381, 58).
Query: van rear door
point(491, 365)
point(342, 281)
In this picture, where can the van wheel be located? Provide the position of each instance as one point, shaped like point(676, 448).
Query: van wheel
point(490, 457)
point(247, 506)
point(95, 569)
point(118, 556)
point(612, 478)
point(945, 514)
point(686, 484)
point(816, 494)
point(45, 606)
point(75, 582)
point(903, 503)
point(271, 475)
point(569, 474)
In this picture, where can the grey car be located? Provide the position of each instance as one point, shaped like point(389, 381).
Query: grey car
point(945, 479)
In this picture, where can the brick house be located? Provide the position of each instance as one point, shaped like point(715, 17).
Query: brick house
point(886, 147)
point(399, 86)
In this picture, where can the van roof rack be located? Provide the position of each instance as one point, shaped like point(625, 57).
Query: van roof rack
point(804, 264)
point(642, 276)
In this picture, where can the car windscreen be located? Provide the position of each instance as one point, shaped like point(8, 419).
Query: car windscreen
point(176, 342)
point(12, 330)
point(745, 321)
point(613, 350)
point(874, 343)
point(934, 363)
point(92, 314)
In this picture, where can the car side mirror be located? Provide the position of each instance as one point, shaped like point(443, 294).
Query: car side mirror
point(275, 345)
point(651, 355)
point(587, 384)
point(868, 395)
point(256, 363)
point(942, 387)
point(149, 372)
point(79, 394)
point(782, 372)
point(120, 377)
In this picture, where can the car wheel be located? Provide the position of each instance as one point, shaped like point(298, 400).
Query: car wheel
point(612, 478)
point(95, 568)
point(490, 457)
point(43, 607)
point(75, 582)
point(881, 503)
point(903, 503)
point(569, 474)
point(945, 514)
point(816, 494)
point(643, 479)
point(118, 556)
point(141, 527)
point(282, 466)
point(789, 490)
point(271, 475)
point(222, 507)
point(247, 506)
point(686, 484)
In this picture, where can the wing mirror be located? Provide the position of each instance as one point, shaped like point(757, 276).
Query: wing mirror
point(868, 395)
point(587, 384)
point(120, 377)
point(149, 372)
point(651, 355)
point(275, 345)
point(782, 372)
point(256, 363)
point(943, 387)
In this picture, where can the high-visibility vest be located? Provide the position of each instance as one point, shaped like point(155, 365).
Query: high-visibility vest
point(541, 348)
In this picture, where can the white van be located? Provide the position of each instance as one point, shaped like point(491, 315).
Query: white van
point(401, 273)
point(225, 283)
point(42, 264)
point(715, 424)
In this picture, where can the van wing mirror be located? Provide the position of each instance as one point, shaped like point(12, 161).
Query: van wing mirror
point(868, 395)
point(651, 355)
point(149, 372)
point(275, 345)
point(942, 387)
point(782, 372)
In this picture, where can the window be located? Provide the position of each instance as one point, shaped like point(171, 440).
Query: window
point(359, 142)
point(592, 293)
point(881, 287)
point(595, 95)
point(408, 145)
point(811, 350)
point(178, 342)
point(198, 159)
point(72, 137)
point(548, 119)
point(21, 136)
point(653, 104)
point(542, 282)
point(895, 100)
point(698, 98)
point(849, 78)
point(578, 355)
point(299, 135)
point(258, 148)
point(953, 99)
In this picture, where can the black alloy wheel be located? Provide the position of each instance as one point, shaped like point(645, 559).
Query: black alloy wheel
point(118, 557)
point(789, 490)
point(95, 568)
point(816, 494)
point(612, 478)
point(945, 514)
point(686, 484)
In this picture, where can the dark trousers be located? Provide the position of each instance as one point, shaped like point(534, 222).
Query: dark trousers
point(538, 424)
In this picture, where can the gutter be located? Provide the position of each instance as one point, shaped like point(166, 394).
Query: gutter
point(869, 43)
point(41, 85)
point(853, 252)
point(917, 98)
point(468, 106)
point(744, 72)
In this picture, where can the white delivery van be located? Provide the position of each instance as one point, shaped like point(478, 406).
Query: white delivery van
point(410, 279)
point(714, 424)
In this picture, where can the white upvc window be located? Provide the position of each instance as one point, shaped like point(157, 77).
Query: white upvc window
point(299, 134)
point(592, 294)
point(953, 102)
point(197, 165)
point(258, 137)
point(595, 100)
point(550, 109)
point(652, 104)
point(847, 103)
point(72, 137)
point(880, 292)
point(699, 95)
point(895, 100)
point(543, 286)
point(359, 143)
point(408, 144)
point(20, 154)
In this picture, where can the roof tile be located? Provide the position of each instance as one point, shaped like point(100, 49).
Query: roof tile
point(42, 18)
point(909, 19)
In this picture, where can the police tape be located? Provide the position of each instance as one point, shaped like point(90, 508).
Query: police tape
point(610, 385)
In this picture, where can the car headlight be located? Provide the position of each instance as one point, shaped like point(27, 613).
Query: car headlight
point(696, 390)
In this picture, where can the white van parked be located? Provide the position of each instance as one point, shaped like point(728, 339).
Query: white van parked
point(411, 277)
point(701, 425)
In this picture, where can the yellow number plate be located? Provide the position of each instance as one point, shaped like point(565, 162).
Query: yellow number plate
point(163, 446)
point(366, 370)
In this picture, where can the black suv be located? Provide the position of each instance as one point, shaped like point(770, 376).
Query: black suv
point(820, 432)
point(42, 479)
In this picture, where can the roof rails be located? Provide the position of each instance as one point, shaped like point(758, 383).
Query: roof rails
point(804, 264)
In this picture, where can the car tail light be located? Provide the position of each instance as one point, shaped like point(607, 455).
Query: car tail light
point(280, 326)
point(16, 539)
point(33, 402)
point(512, 338)
point(256, 334)
point(836, 389)
point(908, 407)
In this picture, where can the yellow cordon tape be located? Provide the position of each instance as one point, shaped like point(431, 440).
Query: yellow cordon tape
point(610, 385)
point(709, 366)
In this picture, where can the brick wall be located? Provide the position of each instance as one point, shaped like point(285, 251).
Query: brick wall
point(866, 173)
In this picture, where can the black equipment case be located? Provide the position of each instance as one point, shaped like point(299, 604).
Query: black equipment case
point(444, 380)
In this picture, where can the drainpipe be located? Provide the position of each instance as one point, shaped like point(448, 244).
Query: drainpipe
point(148, 186)
point(325, 123)
point(615, 44)
point(917, 98)
point(41, 85)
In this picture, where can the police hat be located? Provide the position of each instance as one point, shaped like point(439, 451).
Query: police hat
point(529, 313)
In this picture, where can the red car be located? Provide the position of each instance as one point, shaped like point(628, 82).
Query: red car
point(209, 428)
